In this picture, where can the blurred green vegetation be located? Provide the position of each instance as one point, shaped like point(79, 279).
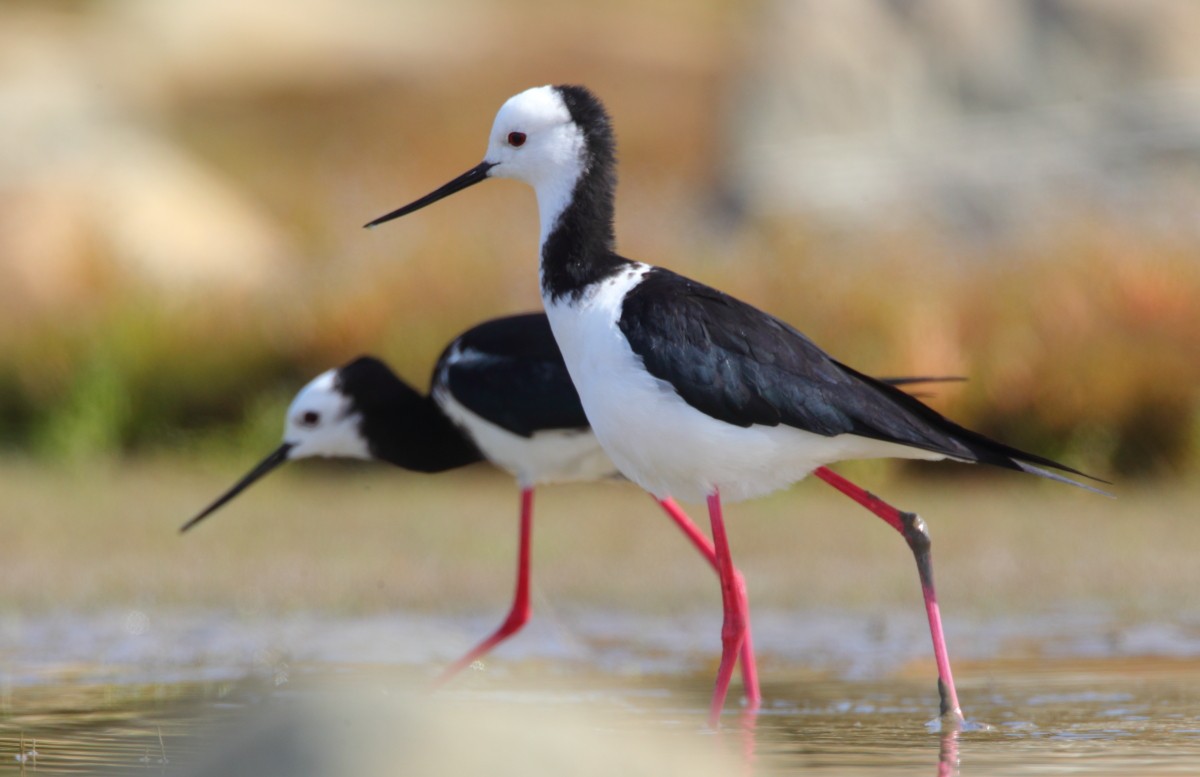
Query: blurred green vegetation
point(1082, 342)
point(1086, 351)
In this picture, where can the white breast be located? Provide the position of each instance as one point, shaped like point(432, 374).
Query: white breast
point(658, 440)
point(552, 456)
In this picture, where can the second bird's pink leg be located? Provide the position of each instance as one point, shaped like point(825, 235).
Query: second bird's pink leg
point(705, 546)
point(518, 614)
point(733, 630)
point(912, 528)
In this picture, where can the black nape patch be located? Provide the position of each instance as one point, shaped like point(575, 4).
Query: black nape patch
point(579, 251)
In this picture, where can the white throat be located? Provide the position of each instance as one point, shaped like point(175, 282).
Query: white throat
point(553, 197)
point(550, 156)
point(554, 183)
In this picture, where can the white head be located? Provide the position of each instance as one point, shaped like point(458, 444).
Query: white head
point(547, 137)
point(535, 140)
point(321, 421)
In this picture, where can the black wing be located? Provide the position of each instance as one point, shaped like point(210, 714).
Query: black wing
point(510, 371)
point(744, 367)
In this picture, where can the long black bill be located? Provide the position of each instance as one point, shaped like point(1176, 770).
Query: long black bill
point(277, 457)
point(473, 176)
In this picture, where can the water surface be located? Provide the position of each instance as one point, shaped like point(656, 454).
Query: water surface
point(123, 693)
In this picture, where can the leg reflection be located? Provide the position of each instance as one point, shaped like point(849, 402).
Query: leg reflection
point(948, 753)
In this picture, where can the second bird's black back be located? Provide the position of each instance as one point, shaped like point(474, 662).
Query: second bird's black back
point(511, 372)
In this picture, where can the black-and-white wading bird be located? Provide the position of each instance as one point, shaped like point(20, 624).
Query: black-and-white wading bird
point(694, 394)
point(500, 392)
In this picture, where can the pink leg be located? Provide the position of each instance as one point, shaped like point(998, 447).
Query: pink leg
point(702, 543)
point(912, 528)
point(733, 631)
point(518, 615)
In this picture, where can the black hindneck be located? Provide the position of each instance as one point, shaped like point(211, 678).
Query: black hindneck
point(412, 432)
point(578, 251)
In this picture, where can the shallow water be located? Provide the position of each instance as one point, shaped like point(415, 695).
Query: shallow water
point(1099, 718)
point(129, 692)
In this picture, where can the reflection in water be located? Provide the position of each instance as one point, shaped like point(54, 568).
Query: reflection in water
point(1093, 717)
point(746, 730)
point(745, 727)
point(174, 714)
point(948, 753)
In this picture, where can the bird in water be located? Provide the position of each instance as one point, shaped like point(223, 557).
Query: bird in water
point(694, 394)
point(500, 393)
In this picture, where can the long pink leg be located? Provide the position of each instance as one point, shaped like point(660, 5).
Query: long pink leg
point(733, 631)
point(912, 528)
point(702, 543)
point(518, 614)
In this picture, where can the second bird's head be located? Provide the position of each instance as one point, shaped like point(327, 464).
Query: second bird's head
point(325, 419)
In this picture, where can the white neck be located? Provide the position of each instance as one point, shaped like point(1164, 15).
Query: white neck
point(555, 179)
point(553, 197)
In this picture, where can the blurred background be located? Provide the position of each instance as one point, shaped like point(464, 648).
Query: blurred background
point(1005, 191)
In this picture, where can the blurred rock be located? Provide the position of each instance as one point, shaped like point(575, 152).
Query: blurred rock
point(90, 187)
point(230, 47)
point(984, 117)
point(365, 733)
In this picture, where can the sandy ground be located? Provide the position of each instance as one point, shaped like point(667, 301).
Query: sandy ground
point(1073, 617)
point(363, 539)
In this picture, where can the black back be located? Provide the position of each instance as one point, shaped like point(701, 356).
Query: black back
point(510, 372)
point(724, 357)
point(739, 365)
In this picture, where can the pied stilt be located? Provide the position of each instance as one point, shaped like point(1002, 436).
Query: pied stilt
point(500, 392)
point(695, 394)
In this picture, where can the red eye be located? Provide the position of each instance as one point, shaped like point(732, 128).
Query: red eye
point(516, 139)
point(310, 418)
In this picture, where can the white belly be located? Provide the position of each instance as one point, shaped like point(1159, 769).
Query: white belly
point(552, 456)
point(659, 441)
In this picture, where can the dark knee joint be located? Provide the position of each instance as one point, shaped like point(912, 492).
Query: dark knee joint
point(915, 533)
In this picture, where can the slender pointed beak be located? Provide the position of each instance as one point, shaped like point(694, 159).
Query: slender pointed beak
point(473, 176)
point(277, 457)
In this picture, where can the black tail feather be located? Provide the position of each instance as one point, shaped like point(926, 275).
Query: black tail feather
point(958, 442)
point(1045, 473)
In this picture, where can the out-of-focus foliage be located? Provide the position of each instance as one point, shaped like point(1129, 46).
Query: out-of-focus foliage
point(1087, 350)
point(180, 211)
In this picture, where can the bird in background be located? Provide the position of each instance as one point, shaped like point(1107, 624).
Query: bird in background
point(694, 394)
point(500, 393)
